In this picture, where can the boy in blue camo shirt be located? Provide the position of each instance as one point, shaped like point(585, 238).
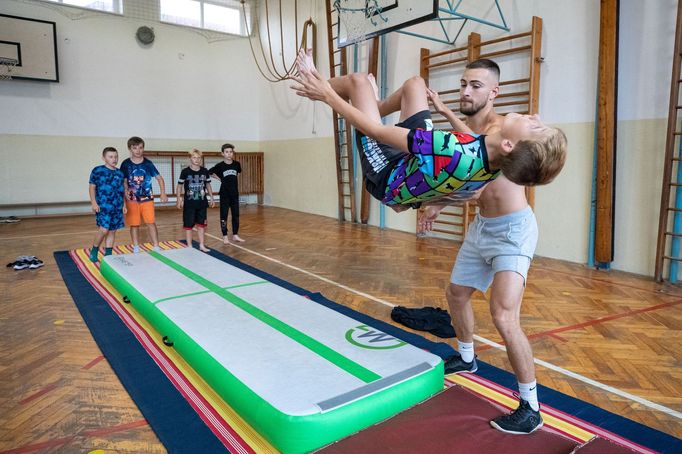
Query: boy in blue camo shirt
point(106, 198)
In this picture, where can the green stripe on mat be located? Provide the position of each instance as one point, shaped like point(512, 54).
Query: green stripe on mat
point(322, 350)
point(206, 291)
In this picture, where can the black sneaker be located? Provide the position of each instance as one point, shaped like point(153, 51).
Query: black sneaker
point(20, 265)
point(522, 421)
point(456, 365)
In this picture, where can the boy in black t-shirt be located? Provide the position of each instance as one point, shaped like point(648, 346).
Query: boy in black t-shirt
point(193, 185)
point(226, 172)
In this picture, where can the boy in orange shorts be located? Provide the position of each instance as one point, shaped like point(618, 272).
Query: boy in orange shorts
point(139, 172)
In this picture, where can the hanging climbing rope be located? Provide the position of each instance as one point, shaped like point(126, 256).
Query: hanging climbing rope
point(266, 63)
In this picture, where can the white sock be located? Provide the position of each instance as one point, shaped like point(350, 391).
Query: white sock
point(156, 249)
point(136, 249)
point(466, 350)
point(529, 393)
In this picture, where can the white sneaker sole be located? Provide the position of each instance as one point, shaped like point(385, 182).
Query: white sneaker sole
point(494, 424)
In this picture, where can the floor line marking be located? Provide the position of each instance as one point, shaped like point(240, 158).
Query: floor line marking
point(589, 381)
point(483, 340)
point(44, 235)
point(41, 392)
point(606, 318)
point(309, 273)
point(602, 280)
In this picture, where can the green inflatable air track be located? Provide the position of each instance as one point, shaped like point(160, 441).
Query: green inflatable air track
point(301, 374)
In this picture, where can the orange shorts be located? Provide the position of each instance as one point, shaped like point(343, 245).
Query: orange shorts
point(139, 212)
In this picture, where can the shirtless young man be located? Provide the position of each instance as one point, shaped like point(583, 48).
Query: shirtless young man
point(406, 164)
point(497, 250)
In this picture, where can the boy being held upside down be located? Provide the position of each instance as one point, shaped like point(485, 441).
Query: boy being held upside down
point(410, 162)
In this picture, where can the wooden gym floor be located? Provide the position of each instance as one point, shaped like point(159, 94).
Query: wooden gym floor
point(58, 394)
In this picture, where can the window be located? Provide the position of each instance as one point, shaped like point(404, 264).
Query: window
point(109, 6)
point(219, 15)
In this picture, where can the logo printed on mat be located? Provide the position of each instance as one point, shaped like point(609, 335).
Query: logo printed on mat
point(366, 337)
point(122, 260)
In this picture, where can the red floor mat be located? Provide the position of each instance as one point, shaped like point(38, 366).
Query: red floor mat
point(454, 421)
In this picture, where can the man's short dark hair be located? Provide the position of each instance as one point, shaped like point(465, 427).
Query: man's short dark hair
point(484, 63)
point(108, 149)
point(226, 145)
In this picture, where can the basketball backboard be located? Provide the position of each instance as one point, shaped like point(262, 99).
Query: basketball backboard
point(363, 19)
point(31, 46)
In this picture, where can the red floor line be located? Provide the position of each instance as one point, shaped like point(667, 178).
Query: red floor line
point(40, 446)
point(607, 318)
point(557, 337)
point(62, 441)
point(40, 393)
point(92, 363)
point(603, 281)
point(114, 429)
point(596, 321)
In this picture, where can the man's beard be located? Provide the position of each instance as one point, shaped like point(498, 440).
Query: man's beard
point(471, 108)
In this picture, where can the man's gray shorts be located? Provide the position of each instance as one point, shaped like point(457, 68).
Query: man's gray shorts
point(505, 243)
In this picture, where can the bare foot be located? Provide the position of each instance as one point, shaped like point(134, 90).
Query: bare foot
point(373, 83)
point(237, 238)
point(225, 240)
point(203, 248)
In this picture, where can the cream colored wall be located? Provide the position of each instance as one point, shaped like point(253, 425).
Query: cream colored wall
point(301, 175)
point(640, 157)
point(184, 90)
point(57, 166)
point(562, 207)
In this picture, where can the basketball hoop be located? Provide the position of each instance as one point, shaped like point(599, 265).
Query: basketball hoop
point(6, 67)
point(355, 14)
point(360, 20)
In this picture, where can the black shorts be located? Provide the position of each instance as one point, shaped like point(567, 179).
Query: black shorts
point(194, 215)
point(379, 160)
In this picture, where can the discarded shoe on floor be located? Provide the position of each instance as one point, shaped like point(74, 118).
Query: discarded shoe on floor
point(434, 320)
point(26, 261)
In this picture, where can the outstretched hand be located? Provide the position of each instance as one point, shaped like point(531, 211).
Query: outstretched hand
point(311, 84)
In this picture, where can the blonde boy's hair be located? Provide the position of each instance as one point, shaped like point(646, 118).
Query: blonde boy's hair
point(195, 152)
point(537, 161)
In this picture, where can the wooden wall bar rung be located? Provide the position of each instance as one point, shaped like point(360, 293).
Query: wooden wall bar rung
point(459, 224)
point(447, 92)
point(446, 62)
point(513, 95)
point(445, 52)
point(515, 82)
point(512, 103)
point(447, 232)
point(505, 52)
point(504, 38)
